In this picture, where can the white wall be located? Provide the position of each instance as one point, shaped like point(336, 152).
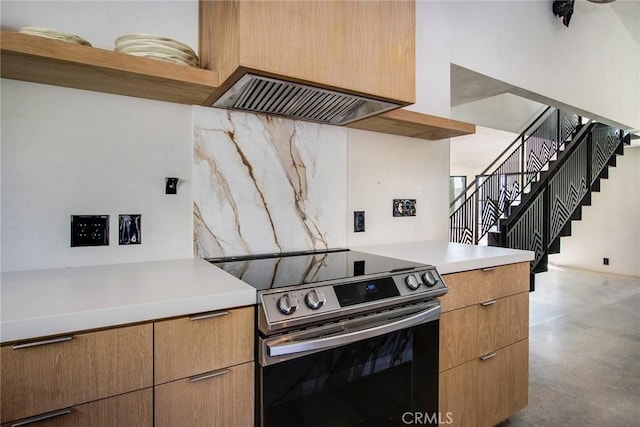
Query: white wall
point(63, 149)
point(505, 112)
point(471, 154)
point(383, 167)
point(67, 151)
point(101, 21)
point(594, 65)
point(610, 227)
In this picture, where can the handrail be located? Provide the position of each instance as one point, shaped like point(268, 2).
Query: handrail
point(540, 185)
point(479, 207)
point(535, 122)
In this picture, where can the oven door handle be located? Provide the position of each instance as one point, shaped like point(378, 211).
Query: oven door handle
point(322, 343)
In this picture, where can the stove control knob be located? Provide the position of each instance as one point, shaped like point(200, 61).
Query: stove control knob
point(288, 304)
point(315, 299)
point(412, 281)
point(430, 279)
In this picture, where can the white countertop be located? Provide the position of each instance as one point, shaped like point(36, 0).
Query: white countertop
point(450, 257)
point(50, 302)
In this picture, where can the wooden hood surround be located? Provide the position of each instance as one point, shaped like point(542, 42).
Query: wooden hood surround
point(355, 47)
point(359, 47)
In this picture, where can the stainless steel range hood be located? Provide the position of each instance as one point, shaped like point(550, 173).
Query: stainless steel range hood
point(272, 96)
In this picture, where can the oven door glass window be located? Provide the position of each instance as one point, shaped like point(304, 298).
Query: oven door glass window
point(373, 382)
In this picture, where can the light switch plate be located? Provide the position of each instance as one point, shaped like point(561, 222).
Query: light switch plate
point(130, 229)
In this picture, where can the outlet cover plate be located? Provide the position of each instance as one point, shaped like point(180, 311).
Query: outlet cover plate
point(358, 221)
point(404, 207)
point(130, 229)
point(89, 230)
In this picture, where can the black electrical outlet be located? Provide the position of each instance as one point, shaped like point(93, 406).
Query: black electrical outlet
point(404, 207)
point(358, 221)
point(605, 261)
point(89, 230)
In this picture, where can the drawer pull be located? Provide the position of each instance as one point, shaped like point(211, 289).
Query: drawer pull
point(43, 342)
point(487, 356)
point(208, 315)
point(42, 417)
point(488, 303)
point(488, 268)
point(208, 375)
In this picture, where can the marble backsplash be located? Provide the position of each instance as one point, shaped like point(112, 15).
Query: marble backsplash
point(266, 184)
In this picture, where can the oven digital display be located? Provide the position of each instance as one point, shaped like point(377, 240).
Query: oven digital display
point(372, 290)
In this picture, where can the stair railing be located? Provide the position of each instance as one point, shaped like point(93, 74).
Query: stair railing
point(479, 207)
point(538, 224)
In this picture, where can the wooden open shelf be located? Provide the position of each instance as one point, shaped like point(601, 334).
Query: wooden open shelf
point(41, 60)
point(416, 125)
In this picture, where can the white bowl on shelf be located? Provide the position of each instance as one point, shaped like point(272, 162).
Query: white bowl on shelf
point(54, 34)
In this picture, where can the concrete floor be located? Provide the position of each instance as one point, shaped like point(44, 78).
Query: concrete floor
point(584, 347)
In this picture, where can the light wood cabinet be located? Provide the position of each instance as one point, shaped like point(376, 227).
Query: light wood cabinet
point(332, 44)
point(133, 409)
point(216, 399)
point(202, 343)
point(59, 372)
point(484, 329)
point(203, 364)
point(485, 392)
point(204, 370)
point(476, 286)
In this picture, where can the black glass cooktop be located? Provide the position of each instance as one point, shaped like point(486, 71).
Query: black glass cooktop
point(297, 268)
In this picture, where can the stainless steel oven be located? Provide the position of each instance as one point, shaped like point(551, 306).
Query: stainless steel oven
point(343, 338)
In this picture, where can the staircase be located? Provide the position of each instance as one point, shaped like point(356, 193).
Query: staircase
point(529, 196)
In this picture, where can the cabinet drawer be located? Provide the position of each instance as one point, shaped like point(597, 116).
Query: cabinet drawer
point(471, 287)
point(484, 392)
point(504, 383)
point(220, 398)
point(472, 331)
point(126, 410)
point(56, 373)
point(202, 343)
